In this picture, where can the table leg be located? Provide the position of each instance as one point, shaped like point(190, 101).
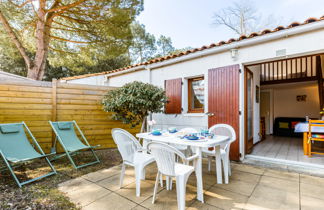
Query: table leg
point(305, 143)
point(145, 143)
point(218, 165)
point(198, 171)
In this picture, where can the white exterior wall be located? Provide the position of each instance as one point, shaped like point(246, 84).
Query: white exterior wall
point(142, 76)
point(306, 43)
point(94, 80)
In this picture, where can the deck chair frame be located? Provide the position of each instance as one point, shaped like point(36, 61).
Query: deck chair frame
point(11, 167)
point(70, 154)
point(312, 123)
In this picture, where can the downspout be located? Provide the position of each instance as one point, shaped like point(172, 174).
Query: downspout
point(149, 80)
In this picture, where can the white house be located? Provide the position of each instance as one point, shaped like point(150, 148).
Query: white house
point(6, 75)
point(263, 83)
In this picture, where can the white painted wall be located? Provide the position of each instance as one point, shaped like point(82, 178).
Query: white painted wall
point(286, 105)
point(94, 80)
point(6, 75)
point(142, 76)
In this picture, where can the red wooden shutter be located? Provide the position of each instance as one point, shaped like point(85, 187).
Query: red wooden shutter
point(173, 89)
point(223, 101)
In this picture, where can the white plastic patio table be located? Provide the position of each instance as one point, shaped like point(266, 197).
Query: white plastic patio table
point(198, 145)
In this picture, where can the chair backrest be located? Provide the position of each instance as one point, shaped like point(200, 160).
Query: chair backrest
point(126, 143)
point(165, 157)
point(66, 133)
point(314, 123)
point(14, 143)
point(188, 130)
point(224, 130)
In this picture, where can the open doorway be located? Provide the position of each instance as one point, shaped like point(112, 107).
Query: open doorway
point(286, 92)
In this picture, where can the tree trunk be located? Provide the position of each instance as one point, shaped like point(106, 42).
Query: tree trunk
point(36, 67)
point(144, 124)
point(16, 41)
point(43, 28)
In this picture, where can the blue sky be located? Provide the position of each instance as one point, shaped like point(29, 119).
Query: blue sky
point(189, 22)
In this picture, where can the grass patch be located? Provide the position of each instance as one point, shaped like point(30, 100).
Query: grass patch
point(43, 194)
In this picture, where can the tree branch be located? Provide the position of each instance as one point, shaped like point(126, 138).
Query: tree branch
point(74, 19)
point(65, 7)
point(222, 21)
point(68, 40)
point(61, 51)
point(23, 4)
point(15, 40)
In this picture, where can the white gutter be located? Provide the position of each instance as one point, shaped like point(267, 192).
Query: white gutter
point(243, 43)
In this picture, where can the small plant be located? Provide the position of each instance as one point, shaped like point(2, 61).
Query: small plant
point(133, 102)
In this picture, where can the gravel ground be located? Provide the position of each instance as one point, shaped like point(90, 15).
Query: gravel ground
point(43, 194)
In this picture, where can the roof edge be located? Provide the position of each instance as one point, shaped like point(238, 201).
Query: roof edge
point(253, 38)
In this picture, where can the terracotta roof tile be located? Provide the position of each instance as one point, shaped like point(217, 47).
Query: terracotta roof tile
point(294, 24)
point(310, 20)
point(242, 37)
point(266, 31)
point(156, 60)
point(279, 28)
point(253, 35)
point(231, 40)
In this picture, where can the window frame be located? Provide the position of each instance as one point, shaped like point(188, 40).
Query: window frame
point(190, 109)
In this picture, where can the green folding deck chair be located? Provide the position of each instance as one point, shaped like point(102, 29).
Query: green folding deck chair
point(70, 142)
point(15, 148)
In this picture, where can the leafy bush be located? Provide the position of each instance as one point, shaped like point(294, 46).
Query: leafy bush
point(133, 102)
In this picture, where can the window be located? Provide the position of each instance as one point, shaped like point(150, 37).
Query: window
point(196, 95)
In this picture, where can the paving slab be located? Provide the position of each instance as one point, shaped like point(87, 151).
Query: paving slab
point(202, 206)
point(111, 201)
point(73, 184)
point(249, 188)
point(244, 176)
point(239, 187)
point(247, 168)
point(112, 183)
point(167, 199)
point(310, 203)
point(291, 176)
point(280, 184)
point(265, 197)
point(225, 199)
point(319, 181)
point(146, 191)
point(88, 194)
point(311, 190)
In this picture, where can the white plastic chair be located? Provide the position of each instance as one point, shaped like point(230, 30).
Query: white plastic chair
point(225, 130)
point(165, 156)
point(133, 155)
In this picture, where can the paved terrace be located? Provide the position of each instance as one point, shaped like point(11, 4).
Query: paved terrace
point(250, 188)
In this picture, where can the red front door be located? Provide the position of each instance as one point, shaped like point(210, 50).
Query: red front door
point(223, 101)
